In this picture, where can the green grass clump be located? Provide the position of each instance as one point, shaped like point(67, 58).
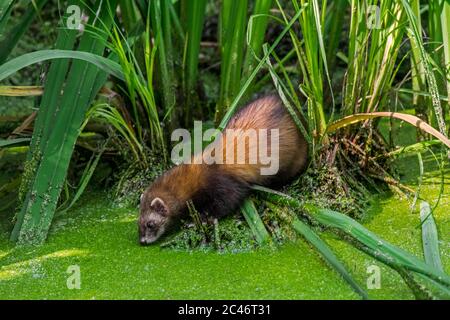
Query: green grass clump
point(326, 188)
point(229, 235)
point(133, 180)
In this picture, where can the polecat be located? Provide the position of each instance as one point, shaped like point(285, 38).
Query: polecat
point(219, 189)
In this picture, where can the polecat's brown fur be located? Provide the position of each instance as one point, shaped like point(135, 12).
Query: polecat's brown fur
point(219, 189)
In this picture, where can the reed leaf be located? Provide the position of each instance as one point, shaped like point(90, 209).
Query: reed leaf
point(13, 142)
point(21, 91)
point(195, 11)
point(426, 60)
point(45, 117)
point(44, 184)
point(16, 64)
point(413, 120)
point(160, 22)
point(195, 16)
point(85, 178)
point(379, 246)
point(233, 24)
point(417, 67)
point(5, 13)
point(328, 255)
point(234, 105)
point(8, 43)
point(445, 21)
point(256, 30)
point(254, 221)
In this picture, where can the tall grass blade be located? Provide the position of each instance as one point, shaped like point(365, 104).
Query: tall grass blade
point(5, 13)
point(15, 34)
point(160, 22)
point(334, 22)
point(21, 91)
point(45, 185)
point(254, 221)
point(256, 31)
point(129, 13)
point(13, 142)
point(417, 67)
point(195, 16)
point(45, 117)
point(85, 178)
point(396, 255)
point(425, 58)
point(413, 120)
point(233, 107)
point(233, 25)
point(328, 255)
point(23, 61)
point(445, 21)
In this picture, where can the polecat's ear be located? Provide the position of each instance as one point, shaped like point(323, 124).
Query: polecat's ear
point(159, 206)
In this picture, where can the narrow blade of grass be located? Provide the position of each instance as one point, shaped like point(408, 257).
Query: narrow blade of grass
point(233, 24)
point(21, 91)
point(254, 221)
point(396, 255)
point(413, 120)
point(445, 21)
point(85, 178)
point(328, 255)
point(13, 142)
point(160, 21)
point(5, 13)
point(429, 74)
point(256, 31)
point(28, 59)
point(233, 107)
point(195, 16)
point(15, 34)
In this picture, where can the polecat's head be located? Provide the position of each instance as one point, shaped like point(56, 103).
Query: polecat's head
point(153, 220)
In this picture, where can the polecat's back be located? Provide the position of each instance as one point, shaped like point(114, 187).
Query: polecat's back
point(263, 116)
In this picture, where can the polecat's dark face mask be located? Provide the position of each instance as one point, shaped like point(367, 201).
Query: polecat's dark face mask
point(153, 221)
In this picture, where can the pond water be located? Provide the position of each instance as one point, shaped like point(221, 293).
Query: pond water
point(102, 242)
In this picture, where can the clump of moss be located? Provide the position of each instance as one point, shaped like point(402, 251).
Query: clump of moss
point(327, 187)
point(228, 235)
point(278, 221)
point(133, 180)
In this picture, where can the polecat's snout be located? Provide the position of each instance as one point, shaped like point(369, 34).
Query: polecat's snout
point(153, 221)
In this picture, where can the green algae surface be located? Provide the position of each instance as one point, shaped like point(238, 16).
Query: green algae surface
point(101, 241)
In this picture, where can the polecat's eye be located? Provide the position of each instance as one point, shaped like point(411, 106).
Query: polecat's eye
point(150, 225)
